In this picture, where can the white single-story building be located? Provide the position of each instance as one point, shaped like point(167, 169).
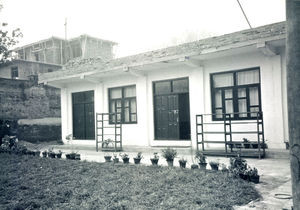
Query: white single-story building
point(158, 94)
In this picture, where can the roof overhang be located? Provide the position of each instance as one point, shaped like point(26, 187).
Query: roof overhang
point(268, 46)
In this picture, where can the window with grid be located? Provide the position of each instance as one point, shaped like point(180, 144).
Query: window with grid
point(122, 102)
point(236, 93)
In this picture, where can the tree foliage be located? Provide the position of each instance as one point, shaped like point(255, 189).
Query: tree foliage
point(8, 39)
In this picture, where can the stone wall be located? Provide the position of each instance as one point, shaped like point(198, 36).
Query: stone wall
point(33, 110)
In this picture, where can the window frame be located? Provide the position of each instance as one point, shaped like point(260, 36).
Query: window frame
point(122, 99)
point(14, 72)
point(235, 98)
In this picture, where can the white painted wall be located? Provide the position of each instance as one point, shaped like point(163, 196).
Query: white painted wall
point(273, 92)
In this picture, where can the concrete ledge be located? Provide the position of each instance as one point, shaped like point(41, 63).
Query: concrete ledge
point(277, 153)
point(41, 121)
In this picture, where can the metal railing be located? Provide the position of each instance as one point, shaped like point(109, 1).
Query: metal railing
point(225, 130)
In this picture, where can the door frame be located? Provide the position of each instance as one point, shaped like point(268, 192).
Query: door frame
point(170, 93)
point(84, 103)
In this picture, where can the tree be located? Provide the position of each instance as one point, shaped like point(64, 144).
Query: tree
point(8, 39)
point(293, 81)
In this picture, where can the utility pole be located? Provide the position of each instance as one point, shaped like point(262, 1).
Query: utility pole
point(293, 88)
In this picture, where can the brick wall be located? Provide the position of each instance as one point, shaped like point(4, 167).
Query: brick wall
point(26, 68)
point(20, 99)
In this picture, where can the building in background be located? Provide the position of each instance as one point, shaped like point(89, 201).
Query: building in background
point(33, 110)
point(50, 54)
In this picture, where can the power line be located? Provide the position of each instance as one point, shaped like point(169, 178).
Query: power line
point(244, 14)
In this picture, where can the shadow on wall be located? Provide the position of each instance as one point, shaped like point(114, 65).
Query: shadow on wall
point(31, 132)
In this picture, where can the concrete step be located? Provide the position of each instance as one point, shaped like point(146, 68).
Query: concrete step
point(278, 153)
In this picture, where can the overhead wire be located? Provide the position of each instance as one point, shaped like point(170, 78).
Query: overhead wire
point(244, 14)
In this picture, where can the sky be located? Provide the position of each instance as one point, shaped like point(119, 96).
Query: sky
point(137, 25)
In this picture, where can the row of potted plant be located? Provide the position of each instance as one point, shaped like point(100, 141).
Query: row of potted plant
point(247, 144)
point(50, 153)
point(169, 154)
point(125, 158)
point(10, 145)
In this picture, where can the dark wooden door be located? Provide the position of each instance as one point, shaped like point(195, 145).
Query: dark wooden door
point(89, 121)
point(78, 121)
point(83, 115)
point(166, 117)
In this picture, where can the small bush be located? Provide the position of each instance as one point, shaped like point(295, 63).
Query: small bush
point(169, 154)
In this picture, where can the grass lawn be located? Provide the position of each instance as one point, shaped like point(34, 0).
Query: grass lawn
point(28, 182)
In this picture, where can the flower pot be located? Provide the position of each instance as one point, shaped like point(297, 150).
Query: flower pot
point(194, 166)
point(58, 155)
point(116, 160)
point(264, 146)
point(52, 155)
point(154, 161)
point(71, 156)
point(77, 157)
point(287, 145)
point(203, 166)
point(107, 158)
point(182, 164)
point(246, 145)
point(137, 160)
point(214, 167)
point(244, 176)
point(254, 179)
point(125, 160)
point(230, 146)
point(170, 162)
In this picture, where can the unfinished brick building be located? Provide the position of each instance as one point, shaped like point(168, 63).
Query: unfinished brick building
point(50, 54)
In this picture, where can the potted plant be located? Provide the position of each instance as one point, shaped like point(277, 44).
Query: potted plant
point(287, 144)
point(116, 159)
point(201, 159)
point(253, 175)
point(230, 145)
point(238, 166)
point(59, 154)
point(264, 145)
point(155, 159)
point(138, 158)
point(108, 144)
point(246, 143)
point(194, 166)
point(214, 165)
point(37, 153)
point(77, 156)
point(51, 154)
point(169, 154)
point(107, 158)
point(72, 156)
point(182, 162)
point(125, 158)
point(254, 145)
point(44, 153)
point(224, 168)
